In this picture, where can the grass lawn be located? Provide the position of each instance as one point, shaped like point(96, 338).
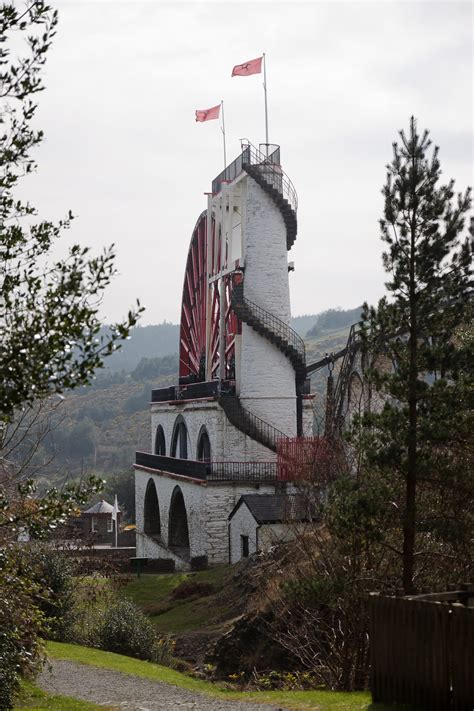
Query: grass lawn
point(34, 699)
point(298, 700)
point(153, 593)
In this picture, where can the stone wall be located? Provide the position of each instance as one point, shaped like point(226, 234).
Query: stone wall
point(208, 506)
point(220, 500)
point(227, 442)
point(242, 523)
point(267, 377)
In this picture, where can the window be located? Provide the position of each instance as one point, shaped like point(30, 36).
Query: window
point(204, 446)
point(244, 546)
point(94, 525)
point(160, 444)
point(179, 441)
point(110, 525)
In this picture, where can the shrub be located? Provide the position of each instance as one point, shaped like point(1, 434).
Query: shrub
point(126, 630)
point(21, 623)
point(52, 572)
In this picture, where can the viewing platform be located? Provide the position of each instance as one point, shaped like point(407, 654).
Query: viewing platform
point(209, 471)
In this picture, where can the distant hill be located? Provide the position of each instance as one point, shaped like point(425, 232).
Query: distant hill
point(152, 342)
point(144, 342)
point(332, 320)
point(98, 428)
point(302, 324)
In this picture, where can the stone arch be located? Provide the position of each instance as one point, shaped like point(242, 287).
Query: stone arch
point(179, 439)
point(160, 442)
point(152, 520)
point(203, 445)
point(178, 531)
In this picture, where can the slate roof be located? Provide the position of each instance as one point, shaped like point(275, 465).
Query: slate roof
point(100, 507)
point(275, 508)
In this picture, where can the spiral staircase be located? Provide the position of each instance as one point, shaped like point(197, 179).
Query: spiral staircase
point(266, 171)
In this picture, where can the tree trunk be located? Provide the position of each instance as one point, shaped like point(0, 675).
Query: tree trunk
point(409, 523)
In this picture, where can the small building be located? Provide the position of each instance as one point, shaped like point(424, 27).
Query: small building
point(97, 523)
point(259, 521)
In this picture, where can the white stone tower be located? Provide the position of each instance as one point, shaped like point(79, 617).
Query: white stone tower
point(242, 368)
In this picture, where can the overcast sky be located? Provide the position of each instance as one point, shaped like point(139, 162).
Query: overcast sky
point(123, 152)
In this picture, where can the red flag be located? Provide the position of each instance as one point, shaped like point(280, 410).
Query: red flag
point(208, 114)
point(253, 66)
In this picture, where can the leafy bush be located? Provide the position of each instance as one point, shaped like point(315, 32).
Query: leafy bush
point(126, 630)
point(21, 624)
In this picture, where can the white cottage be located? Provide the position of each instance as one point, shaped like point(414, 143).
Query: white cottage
point(261, 521)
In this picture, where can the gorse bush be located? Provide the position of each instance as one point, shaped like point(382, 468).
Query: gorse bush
point(123, 628)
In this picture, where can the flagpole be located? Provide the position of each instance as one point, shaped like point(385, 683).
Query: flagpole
point(223, 132)
point(266, 102)
point(116, 520)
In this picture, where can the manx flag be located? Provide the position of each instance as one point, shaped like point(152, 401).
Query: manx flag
point(253, 66)
point(208, 114)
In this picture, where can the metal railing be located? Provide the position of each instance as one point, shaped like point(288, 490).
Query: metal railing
point(269, 321)
point(173, 465)
point(209, 471)
point(250, 424)
point(232, 171)
point(191, 391)
point(268, 167)
point(243, 471)
point(272, 173)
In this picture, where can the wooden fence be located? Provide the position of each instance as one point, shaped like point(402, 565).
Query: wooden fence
point(422, 651)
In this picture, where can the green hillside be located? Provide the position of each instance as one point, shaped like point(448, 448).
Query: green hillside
point(97, 429)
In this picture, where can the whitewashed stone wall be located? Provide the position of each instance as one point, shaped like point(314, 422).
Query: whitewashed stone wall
point(228, 444)
point(220, 501)
point(267, 377)
point(242, 523)
point(193, 495)
point(208, 506)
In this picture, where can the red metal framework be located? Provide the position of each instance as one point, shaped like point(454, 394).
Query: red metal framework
point(195, 337)
point(304, 458)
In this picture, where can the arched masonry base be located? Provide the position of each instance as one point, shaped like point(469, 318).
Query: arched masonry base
point(208, 505)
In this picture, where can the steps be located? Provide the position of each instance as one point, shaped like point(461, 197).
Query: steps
point(273, 329)
point(274, 182)
point(248, 423)
point(277, 332)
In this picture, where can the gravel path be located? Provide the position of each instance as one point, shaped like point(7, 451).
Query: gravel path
point(123, 691)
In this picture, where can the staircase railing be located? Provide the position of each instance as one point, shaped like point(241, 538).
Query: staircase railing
point(271, 172)
point(268, 166)
point(269, 321)
point(250, 424)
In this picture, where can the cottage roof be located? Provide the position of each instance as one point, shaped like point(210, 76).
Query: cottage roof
point(100, 507)
point(275, 508)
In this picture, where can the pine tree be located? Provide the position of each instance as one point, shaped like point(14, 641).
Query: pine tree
point(420, 437)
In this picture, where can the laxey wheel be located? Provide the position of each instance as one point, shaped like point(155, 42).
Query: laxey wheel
point(194, 340)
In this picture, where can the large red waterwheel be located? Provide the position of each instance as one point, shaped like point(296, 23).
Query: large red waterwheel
point(199, 344)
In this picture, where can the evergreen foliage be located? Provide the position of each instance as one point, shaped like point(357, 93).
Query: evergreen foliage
point(50, 335)
point(48, 311)
point(419, 441)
